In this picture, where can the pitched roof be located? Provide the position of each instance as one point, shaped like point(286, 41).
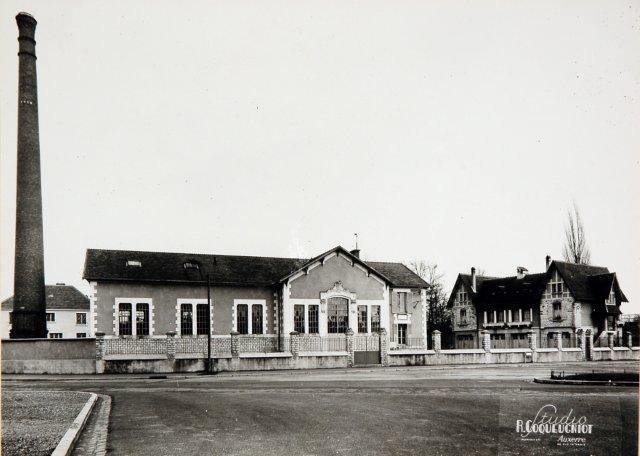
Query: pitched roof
point(512, 290)
point(58, 297)
point(399, 274)
point(576, 277)
point(223, 269)
point(586, 283)
point(465, 279)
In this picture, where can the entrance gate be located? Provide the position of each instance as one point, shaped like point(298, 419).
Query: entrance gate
point(366, 350)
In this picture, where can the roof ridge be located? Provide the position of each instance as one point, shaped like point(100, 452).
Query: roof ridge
point(200, 254)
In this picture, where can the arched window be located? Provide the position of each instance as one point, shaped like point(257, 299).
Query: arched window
point(337, 315)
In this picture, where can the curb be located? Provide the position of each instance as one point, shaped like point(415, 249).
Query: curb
point(69, 439)
point(583, 382)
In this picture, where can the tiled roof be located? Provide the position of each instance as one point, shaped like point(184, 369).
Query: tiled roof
point(586, 283)
point(399, 274)
point(465, 279)
point(223, 269)
point(576, 277)
point(513, 291)
point(58, 297)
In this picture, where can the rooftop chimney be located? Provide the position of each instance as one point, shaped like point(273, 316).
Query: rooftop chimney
point(356, 252)
point(521, 272)
point(29, 308)
point(473, 279)
point(548, 262)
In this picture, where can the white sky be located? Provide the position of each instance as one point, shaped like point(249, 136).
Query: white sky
point(454, 132)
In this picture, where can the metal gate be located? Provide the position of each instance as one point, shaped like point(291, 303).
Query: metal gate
point(366, 350)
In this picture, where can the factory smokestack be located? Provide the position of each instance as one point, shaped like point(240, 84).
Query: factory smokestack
point(29, 308)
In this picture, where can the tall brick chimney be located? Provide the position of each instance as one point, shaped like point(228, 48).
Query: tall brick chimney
point(29, 299)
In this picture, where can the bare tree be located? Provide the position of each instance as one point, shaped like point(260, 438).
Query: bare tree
point(438, 315)
point(575, 249)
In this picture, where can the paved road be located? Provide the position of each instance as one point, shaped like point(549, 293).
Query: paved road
point(418, 410)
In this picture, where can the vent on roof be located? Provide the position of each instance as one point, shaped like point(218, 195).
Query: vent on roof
point(191, 265)
point(60, 284)
point(134, 263)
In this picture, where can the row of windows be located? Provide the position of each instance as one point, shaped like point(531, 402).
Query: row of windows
point(59, 335)
point(125, 318)
point(511, 315)
point(81, 318)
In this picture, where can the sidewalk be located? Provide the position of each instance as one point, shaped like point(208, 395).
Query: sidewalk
point(587, 365)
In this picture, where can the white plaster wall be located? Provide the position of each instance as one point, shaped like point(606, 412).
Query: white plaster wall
point(65, 323)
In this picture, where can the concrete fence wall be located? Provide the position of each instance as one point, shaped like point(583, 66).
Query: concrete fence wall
point(48, 356)
point(165, 354)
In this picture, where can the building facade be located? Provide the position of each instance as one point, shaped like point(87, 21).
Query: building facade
point(564, 302)
point(152, 294)
point(68, 314)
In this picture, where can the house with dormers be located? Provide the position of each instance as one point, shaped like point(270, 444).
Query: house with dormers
point(565, 300)
point(138, 294)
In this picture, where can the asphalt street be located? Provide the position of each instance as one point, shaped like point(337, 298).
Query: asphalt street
point(415, 410)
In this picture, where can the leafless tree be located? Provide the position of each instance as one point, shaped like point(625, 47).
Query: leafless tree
point(575, 249)
point(438, 315)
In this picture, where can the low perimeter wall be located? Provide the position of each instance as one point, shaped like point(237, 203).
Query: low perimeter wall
point(419, 357)
point(88, 356)
point(244, 362)
point(48, 356)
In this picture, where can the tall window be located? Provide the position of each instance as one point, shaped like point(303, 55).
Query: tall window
point(81, 319)
point(186, 319)
point(500, 316)
point(202, 319)
point(142, 319)
point(463, 316)
point(402, 302)
point(611, 300)
point(489, 315)
point(375, 318)
point(256, 319)
point(556, 285)
point(313, 319)
point(463, 296)
point(402, 334)
point(337, 315)
point(298, 318)
point(362, 319)
point(526, 314)
point(611, 323)
point(51, 316)
point(242, 318)
point(124, 319)
point(557, 310)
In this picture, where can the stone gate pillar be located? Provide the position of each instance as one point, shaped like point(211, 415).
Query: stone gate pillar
point(610, 335)
point(384, 347)
point(294, 344)
point(436, 337)
point(486, 341)
point(350, 347)
point(533, 343)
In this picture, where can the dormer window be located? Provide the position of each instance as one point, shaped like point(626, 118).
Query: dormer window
point(611, 300)
point(191, 265)
point(134, 263)
point(556, 285)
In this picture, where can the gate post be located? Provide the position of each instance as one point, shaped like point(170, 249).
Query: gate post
point(171, 345)
point(350, 347)
point(486, 341)
point(100, 352)
point(294, 344)
point(436, 337)
point(235, 350)
point(384, 347)
point(610, 339)
point(629, 340)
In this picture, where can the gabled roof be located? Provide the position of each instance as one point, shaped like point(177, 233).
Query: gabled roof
point(576, 276)
point(586, 283)
point(58, 297)
point(465, 279)
point(512, 290)
point(166, 267)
